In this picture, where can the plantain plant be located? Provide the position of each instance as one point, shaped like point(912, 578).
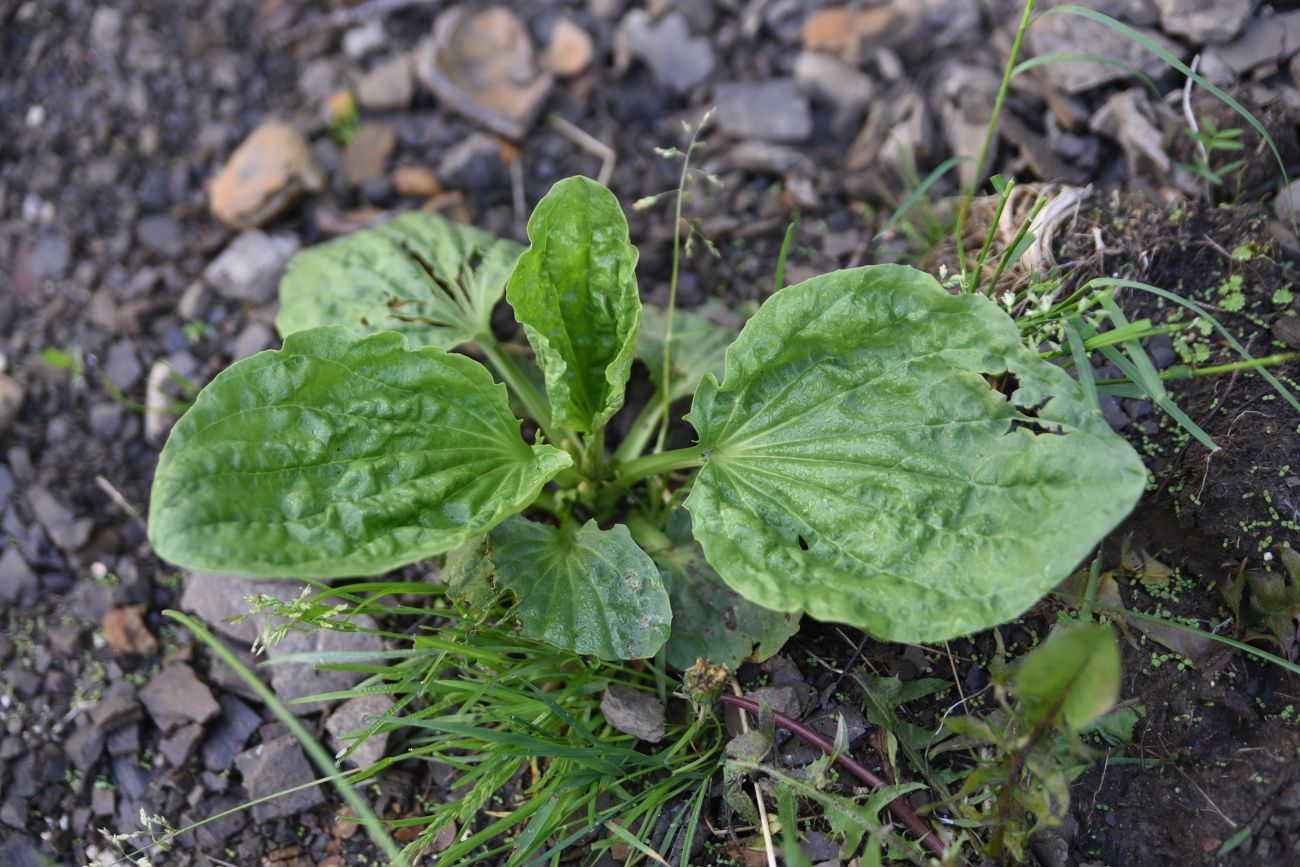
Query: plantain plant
point(870, 449)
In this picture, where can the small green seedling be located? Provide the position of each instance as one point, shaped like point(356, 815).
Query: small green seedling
point(869, 449)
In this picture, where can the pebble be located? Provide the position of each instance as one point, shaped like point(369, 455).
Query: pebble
point(295, 680)
point(194, 301)
point(117, 707)
point(834, 81)
point(255, 337)
point(158, 416)
point(569, 49)
point(176, 696)
point(12, 397)
point(273, 767)
point(481, 65)
point(365, 39)
point(18, 583)
point(106, 30)
point(181, 744)
point(1063, 34)
point(216, 599)
point(267, 174)
point(249, 268)
point(229, 734)
point(474, 164)
point(416, 182)
point(66, 530)
point(389, 86)
point(772, 110)
point(678, 60)
point(634, 712)
point(366, 154)
point(122, 367)
point(84, 746)
point(354, 715)
point(1266, 40)
point(162, 234)
point(1203, 21)
point(50, 257)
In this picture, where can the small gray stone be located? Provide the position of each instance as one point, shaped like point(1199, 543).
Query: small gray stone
point(828, 78)
point(84, 746)
point(249, 269)
point(389, 86)
point(180, 745)
point(216, 598)
point(678, 60)
point(68, 531)
point(772, 110)
point(103, 802)
point(474, 165)
point(255, 337)
point(783, 699)
point(365, 39)
point(176, 696)
point(273, 767)
point(116, 707)
point(1204, 21)
point(18, 584)
point(296, 680)
point(106, 29)
point(1286, 205)
point(122, 366)
point(634, 712)
point(162, 234)
point(354, 715)
point(1063, 34)
point(230, 733)
point(50, 257)
point(194, 301)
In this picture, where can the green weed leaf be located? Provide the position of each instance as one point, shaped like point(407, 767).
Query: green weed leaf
point(341, 456)
point(710, 620)
point(422, 275)
point(574, 291)
point(861, 463)
point(1074, 675)
point(584, 589)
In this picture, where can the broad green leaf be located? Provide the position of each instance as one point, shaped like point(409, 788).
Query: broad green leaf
point(861, 466)
point(422, 275)
point(574, 291)
point(1073, 676)
point(341, 456)
point(584, 589)
point(710, 620)
point(699, 344)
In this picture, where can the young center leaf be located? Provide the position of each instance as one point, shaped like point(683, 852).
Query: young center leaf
point(341, 456)
point(422, 275)
point(863, 465)
point(1074, 676)
point(574, 291)
point(585, 589)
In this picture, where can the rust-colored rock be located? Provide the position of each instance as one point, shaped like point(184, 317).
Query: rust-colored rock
point(568, 50)
point(416, 182)
point(126, 633)
point(845, 32)
point(266, 175)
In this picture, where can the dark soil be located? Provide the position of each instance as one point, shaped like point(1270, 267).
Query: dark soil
point(111, 125)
